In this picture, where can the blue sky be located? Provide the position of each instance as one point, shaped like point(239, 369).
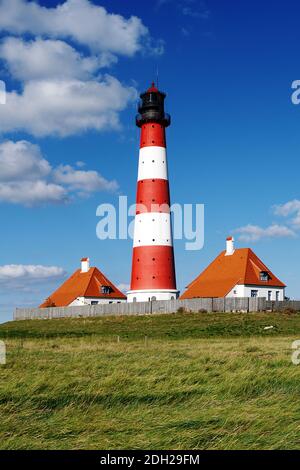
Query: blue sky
point(68, 140)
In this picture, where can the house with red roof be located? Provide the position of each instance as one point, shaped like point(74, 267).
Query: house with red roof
point(86, 286)
point(236, 273)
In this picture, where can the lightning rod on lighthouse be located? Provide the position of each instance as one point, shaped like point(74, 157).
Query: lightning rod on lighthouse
point(153, 268)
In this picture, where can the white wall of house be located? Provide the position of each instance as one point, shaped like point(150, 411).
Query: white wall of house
point(89, 301)
point(270, 293)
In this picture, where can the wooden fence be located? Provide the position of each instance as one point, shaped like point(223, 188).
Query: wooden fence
point(210, 305)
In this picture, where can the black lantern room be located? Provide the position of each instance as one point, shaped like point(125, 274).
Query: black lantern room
point(152, 108)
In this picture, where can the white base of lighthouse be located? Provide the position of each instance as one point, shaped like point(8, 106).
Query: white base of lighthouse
point(151, 294)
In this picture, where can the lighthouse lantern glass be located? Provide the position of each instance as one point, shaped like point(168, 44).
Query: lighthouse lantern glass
point(151, 108)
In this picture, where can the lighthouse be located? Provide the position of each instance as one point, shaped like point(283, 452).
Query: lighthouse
point(153, 268)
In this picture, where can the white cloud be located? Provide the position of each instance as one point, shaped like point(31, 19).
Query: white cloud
point(26, 284)
point(80, 20)
point(296, 221)
point(65, 107)
point(87, 181)
point(49, 59)
point(32, 193)
point(27, 178)
point(21, 271)
point(21, 283)
point(200, 12)
point(22, 160)
point(253, 233)
point(290, 208)
point(192, 8)
point(61, 92)
point(80, 164)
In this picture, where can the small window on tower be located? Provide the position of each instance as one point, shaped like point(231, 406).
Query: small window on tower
point(152, 98)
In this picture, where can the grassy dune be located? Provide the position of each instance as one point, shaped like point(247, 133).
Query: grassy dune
point(198, 381)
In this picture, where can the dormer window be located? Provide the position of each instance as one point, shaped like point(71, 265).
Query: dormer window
point(264, 276)
point(106, 290)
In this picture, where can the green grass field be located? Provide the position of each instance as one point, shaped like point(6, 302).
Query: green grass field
point(199, 381)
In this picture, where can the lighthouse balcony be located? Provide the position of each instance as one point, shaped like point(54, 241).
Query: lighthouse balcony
point(153, 116)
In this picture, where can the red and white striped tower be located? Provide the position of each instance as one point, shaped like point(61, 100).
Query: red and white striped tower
point(153, 268)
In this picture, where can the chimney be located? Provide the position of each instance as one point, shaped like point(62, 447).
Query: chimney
point(229, 246)
point(85, 265)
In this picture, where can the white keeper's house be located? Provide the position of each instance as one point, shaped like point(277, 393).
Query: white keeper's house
point(236, 273)
point(87, 286)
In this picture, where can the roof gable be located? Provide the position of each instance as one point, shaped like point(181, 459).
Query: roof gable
point(254, 267)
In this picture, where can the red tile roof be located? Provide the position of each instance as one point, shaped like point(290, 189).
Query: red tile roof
point(81, 284)
point(217, 280)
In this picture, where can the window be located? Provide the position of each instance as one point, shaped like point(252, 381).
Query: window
point(264, 276)
point(234, 292)
point(277, 295)
point(269, 295)
point(152, 98)
point(94, 302)
point(153, 298)
point(254, 293)
point(106, 289)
